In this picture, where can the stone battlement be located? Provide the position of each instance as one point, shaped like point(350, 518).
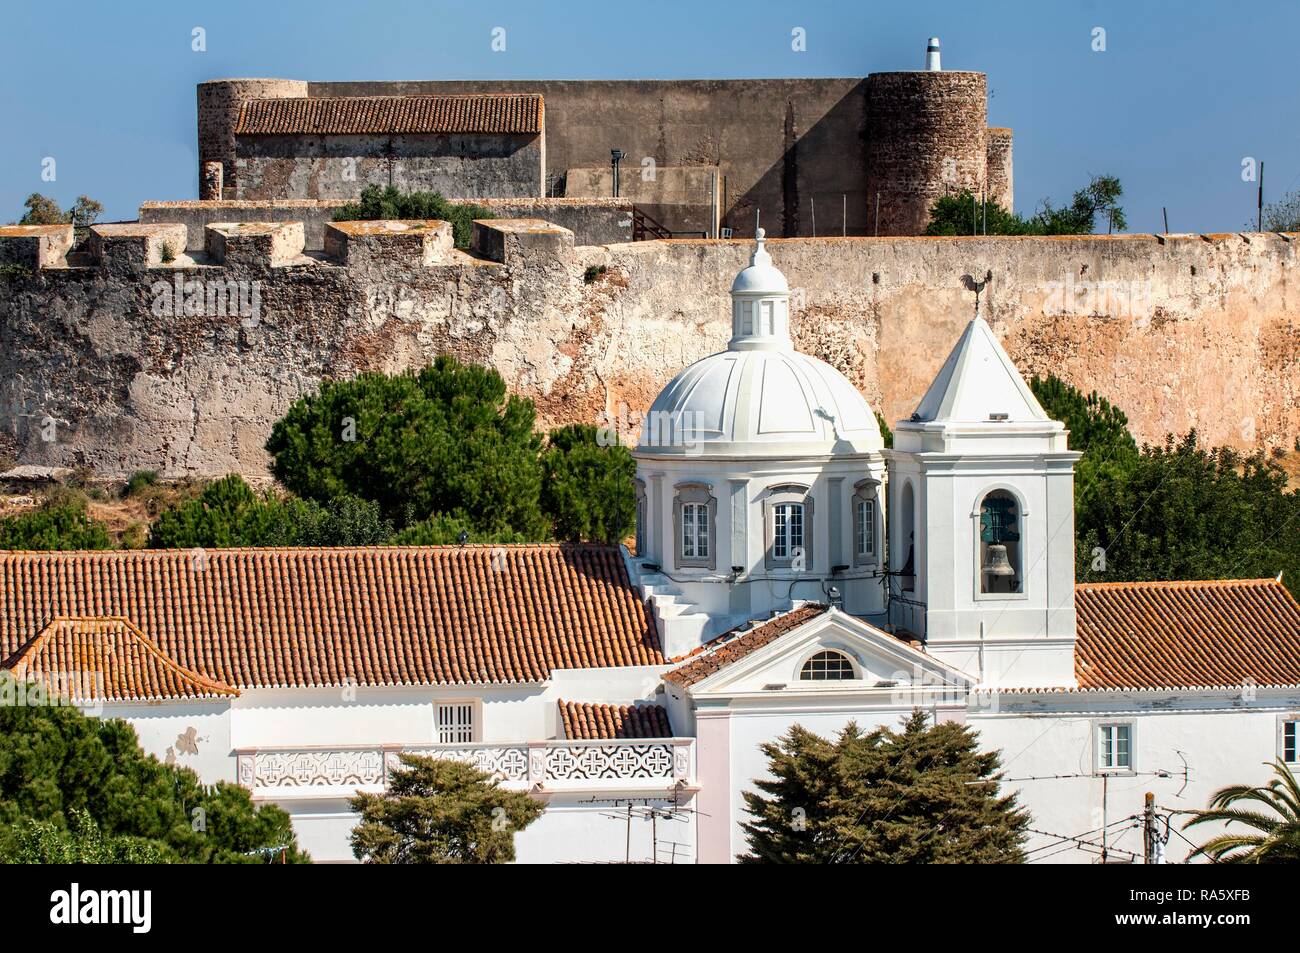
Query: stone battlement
point(364, 245)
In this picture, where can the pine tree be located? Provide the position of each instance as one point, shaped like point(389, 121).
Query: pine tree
point(447, 442)
point(63, 771)
point(924, 794)
point(587, 488)
point(56, 524)
point(437, 811)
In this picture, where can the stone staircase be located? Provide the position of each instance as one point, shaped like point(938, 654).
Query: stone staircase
point(682, 626)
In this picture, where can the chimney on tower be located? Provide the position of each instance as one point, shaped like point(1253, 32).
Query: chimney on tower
point(932, 55)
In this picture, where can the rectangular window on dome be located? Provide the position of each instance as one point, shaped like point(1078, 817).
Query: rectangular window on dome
point(695, 531)
point(769, 323)
point(747, 317)
point(787, 529)
point(866, 527)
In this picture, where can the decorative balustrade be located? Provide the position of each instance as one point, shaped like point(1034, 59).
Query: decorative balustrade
point(657, 764)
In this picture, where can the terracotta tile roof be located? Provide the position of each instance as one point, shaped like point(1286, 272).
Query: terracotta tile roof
point(591, 721)
point(361, 115)
point(106, 660)
point(729, 647)
point(373, 616)
point(1186, 634)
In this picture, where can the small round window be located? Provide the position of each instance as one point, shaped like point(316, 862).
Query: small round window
point(826, 667)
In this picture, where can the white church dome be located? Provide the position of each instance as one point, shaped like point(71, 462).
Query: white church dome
point(760, 397)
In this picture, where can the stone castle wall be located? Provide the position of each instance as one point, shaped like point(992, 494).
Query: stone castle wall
point(593, 221)
point(1181, 331)
point(796, 150)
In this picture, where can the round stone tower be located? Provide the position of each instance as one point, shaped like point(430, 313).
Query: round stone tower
point(1001, 189)
point(219, 103)
point(926, 137)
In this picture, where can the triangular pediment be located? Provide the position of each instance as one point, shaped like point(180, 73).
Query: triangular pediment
point(881, 663)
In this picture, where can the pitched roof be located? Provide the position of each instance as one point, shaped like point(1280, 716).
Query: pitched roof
point(366, 615)
point(106, 660)
point(589, 722)
point(979, 379)
point(360, 115)
point(728, 648)
point(1186, 634)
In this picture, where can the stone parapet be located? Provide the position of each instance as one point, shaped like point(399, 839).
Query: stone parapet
point(255, 244)
point(408, 243)
point(134, 246)
point(35, 246)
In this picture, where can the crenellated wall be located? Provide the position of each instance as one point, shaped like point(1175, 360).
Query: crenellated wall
point(143, 354)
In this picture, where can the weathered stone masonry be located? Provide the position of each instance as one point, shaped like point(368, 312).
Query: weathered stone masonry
point(1181, 331)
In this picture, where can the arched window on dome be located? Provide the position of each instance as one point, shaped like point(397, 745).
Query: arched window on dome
point(866, 509)
point(695, 511)
point(999, 553)
point(788, 527)
point(828, 666)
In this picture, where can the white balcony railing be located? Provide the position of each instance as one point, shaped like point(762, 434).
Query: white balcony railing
point(546, 766)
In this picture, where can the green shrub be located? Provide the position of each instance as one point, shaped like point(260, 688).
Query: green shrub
point(60, 523)
point(139, 480)
point(389, 204)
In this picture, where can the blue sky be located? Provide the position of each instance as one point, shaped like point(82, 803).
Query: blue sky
point(1183, 91)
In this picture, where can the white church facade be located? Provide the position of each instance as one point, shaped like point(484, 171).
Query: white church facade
point(788, 569)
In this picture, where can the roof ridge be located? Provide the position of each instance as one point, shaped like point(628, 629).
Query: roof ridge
point(403, 97)
point(1177, 583)
point(211, 550)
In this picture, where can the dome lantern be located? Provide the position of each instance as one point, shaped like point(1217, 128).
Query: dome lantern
point(760, 397)
point(760, 304)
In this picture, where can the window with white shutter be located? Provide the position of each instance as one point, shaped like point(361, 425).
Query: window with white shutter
point(455, 723)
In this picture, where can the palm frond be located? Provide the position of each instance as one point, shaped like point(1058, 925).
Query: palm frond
point(1278, 837)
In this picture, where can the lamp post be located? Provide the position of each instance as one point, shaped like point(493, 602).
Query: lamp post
point(615, 157)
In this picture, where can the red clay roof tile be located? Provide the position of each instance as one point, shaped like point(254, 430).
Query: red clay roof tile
point(590, 722)
point(369, 616)
point(729, 648)
point(511, 113)
point(1186, 634)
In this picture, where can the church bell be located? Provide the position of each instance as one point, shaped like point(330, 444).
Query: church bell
point(996, 562)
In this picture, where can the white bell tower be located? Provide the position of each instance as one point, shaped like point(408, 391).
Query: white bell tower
point(982, 521)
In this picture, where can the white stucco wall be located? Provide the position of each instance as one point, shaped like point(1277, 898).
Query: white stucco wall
point(571, 830)
point(1224, 741)
point(164, 725)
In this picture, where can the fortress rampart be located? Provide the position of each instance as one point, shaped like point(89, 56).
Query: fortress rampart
point(138, 353)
